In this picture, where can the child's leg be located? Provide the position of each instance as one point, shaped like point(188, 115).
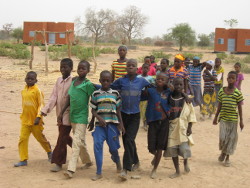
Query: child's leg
point(186, 166)
point(23, 142)
point(156, 160)
point(227, 161)
point(37, 131)
point(177, 168)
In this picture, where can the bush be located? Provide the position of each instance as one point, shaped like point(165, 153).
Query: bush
point(15, 51)
point(222, 55)
point(108, 50)
point(161, 54)
point(191, 56)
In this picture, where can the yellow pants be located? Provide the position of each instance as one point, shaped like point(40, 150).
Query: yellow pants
point(37, 131)
point(143, 107)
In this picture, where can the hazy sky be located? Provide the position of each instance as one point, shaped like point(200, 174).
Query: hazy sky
point(203, 15)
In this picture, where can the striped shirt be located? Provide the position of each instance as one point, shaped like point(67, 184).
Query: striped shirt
point(195, 74)
point(106, 103)
point(172, 73)
point(208, 83)
point(229, 103)
point(119, 68)
point(218, 71)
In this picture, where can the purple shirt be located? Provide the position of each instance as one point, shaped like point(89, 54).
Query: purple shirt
point(239, 78)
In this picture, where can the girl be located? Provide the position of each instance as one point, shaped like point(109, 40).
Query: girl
point(209, 94)
point(240, 76)
point(220, 73)
point(164, 66)
point(152, 71)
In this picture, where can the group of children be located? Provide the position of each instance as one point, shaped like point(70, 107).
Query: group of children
point(118, 104)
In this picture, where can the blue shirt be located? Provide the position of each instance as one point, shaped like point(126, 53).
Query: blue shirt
point(158, 105)
point(130, 91)
point(195, 74)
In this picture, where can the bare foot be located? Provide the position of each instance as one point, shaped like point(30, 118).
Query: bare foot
point(123, 175)
point(135, 166)
point(186, 168)
point(118, 167)
point(153, 174)
point(87, 165)
point(96, 177)
point(175, 175)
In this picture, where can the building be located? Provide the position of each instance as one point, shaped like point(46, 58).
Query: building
point(232, 40)
point(55, 32)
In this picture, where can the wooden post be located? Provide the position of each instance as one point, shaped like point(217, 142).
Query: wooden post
point(93, 50)
point(46, 53)
point(69, 43)
point(32, 51)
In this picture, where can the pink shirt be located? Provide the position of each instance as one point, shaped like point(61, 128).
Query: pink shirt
point(151, 71)
point(58, 98)
point(239, 78)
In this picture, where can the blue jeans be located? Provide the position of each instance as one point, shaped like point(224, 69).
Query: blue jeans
point(110, 133)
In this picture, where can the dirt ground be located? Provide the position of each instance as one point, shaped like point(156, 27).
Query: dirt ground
point(206, 171)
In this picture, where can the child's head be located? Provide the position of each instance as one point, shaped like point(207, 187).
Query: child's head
point(232, 77)
point(161, 80)
point(209, 65)
point(147, 60)
point(66, 66)
point(217, 62)
point(178, 59)
point(83, 68)
point(122, 51)
point(178, 84)
point(237, 67)
point(152, 59)
point(164, 64)
point(196, 61)
point(187, 61)
point(131, 67)
point(145, 68)
point(105, 79)
point(31, 78)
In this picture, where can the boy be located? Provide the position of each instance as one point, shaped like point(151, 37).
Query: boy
point(130, 88)
point(119, 66)
point(32, 102)
point(58, 99)
point(164, 66)
point(105, 104)
point(181, 118)
point(230, 99)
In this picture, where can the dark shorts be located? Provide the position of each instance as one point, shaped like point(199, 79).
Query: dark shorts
point(158, 135)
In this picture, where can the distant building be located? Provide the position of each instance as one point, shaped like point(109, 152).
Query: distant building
point(55, 32)
point(232, 40)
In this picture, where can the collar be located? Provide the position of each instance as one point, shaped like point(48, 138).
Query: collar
point(180, 70)
point(32, 87)
point(66, 79)
point(102, 91)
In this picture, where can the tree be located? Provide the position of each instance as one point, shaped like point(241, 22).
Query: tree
point(17, 34)
point(231, 23)
point(211, 37)
point(131, 23)
point(183, 34)
point(204, 40)
point(8, 27)
point(97, 23)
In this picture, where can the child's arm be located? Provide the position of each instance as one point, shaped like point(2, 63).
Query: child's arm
point(241, 116)
point(215, 121)
point(121, 126)
point(213, 78)
point(40, 101)
point(100, 119)
point(59, 118)
point(189, 129)
point(91, 123)
point(239, 86)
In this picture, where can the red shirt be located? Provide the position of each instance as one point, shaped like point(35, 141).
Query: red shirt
point(151, 72)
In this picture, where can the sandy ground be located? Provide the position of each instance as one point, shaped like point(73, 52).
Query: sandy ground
point(206, 171)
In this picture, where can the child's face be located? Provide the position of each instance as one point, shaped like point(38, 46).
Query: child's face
point(152, 59)
point(122, 52)
point(164, 64)
point(105, 80)
point(147, 60)
point(208, 66)
point(145, 69)
point(217, 63)
point(177, 63)
point(237, 68)
point(82, 69)
point(65, 69)
point(30, 79)
point(231, 78)
point(196, 62)
point(178, 85)
point(131, 68)
point(161, 80)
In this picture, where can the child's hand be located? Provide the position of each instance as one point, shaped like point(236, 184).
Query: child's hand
point(215, 122)
point(102, 122)
point(37, 120)
point(91, 126)
point(241, 125)
point(59, 120)
point(43, 114)
point(189, 131)
point(121, 128)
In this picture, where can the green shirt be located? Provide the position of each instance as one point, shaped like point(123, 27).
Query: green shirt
point(79, 99)
point(229, 104)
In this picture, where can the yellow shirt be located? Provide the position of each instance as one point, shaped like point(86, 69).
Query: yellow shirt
point(218, 71)
point(32, 103)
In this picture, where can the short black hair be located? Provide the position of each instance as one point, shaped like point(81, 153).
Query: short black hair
point(167, 61)
point(105, 72)
point(132, 61)
point(147, 57)
point(32, 72)
point(177, 79)
point(145, 65)
point(233, 72)
point(218, 59)
point(152, 56)
point(68, 61)
point(85, 62)
point(123, 46)
point(237, 64)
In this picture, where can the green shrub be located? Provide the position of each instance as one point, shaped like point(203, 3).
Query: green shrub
point(4, 52)
point(161, 54)
point(192, 55)
point(57, 55)
point(15, 51)
point(222, 55)
point(108, 50)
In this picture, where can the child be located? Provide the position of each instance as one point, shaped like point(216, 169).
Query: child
point(220, 73)
point(32, 102)
point(152, 71)
point(152, 61)
point(240, 76)
point(79, 92)
point(143, 103)
point(58, 99)
point(230, 99)
point(105, 104)
point(119, 66)
point(187, 62)
point(195, 80)
point(157, 119)
point(164, 66)
point(130, 88)
point(209, 94)
point(181, 118)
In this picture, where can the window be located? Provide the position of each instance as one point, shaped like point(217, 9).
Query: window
point(32, 33)
point(62, 35)
point(247, 43)
point(220, 41)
